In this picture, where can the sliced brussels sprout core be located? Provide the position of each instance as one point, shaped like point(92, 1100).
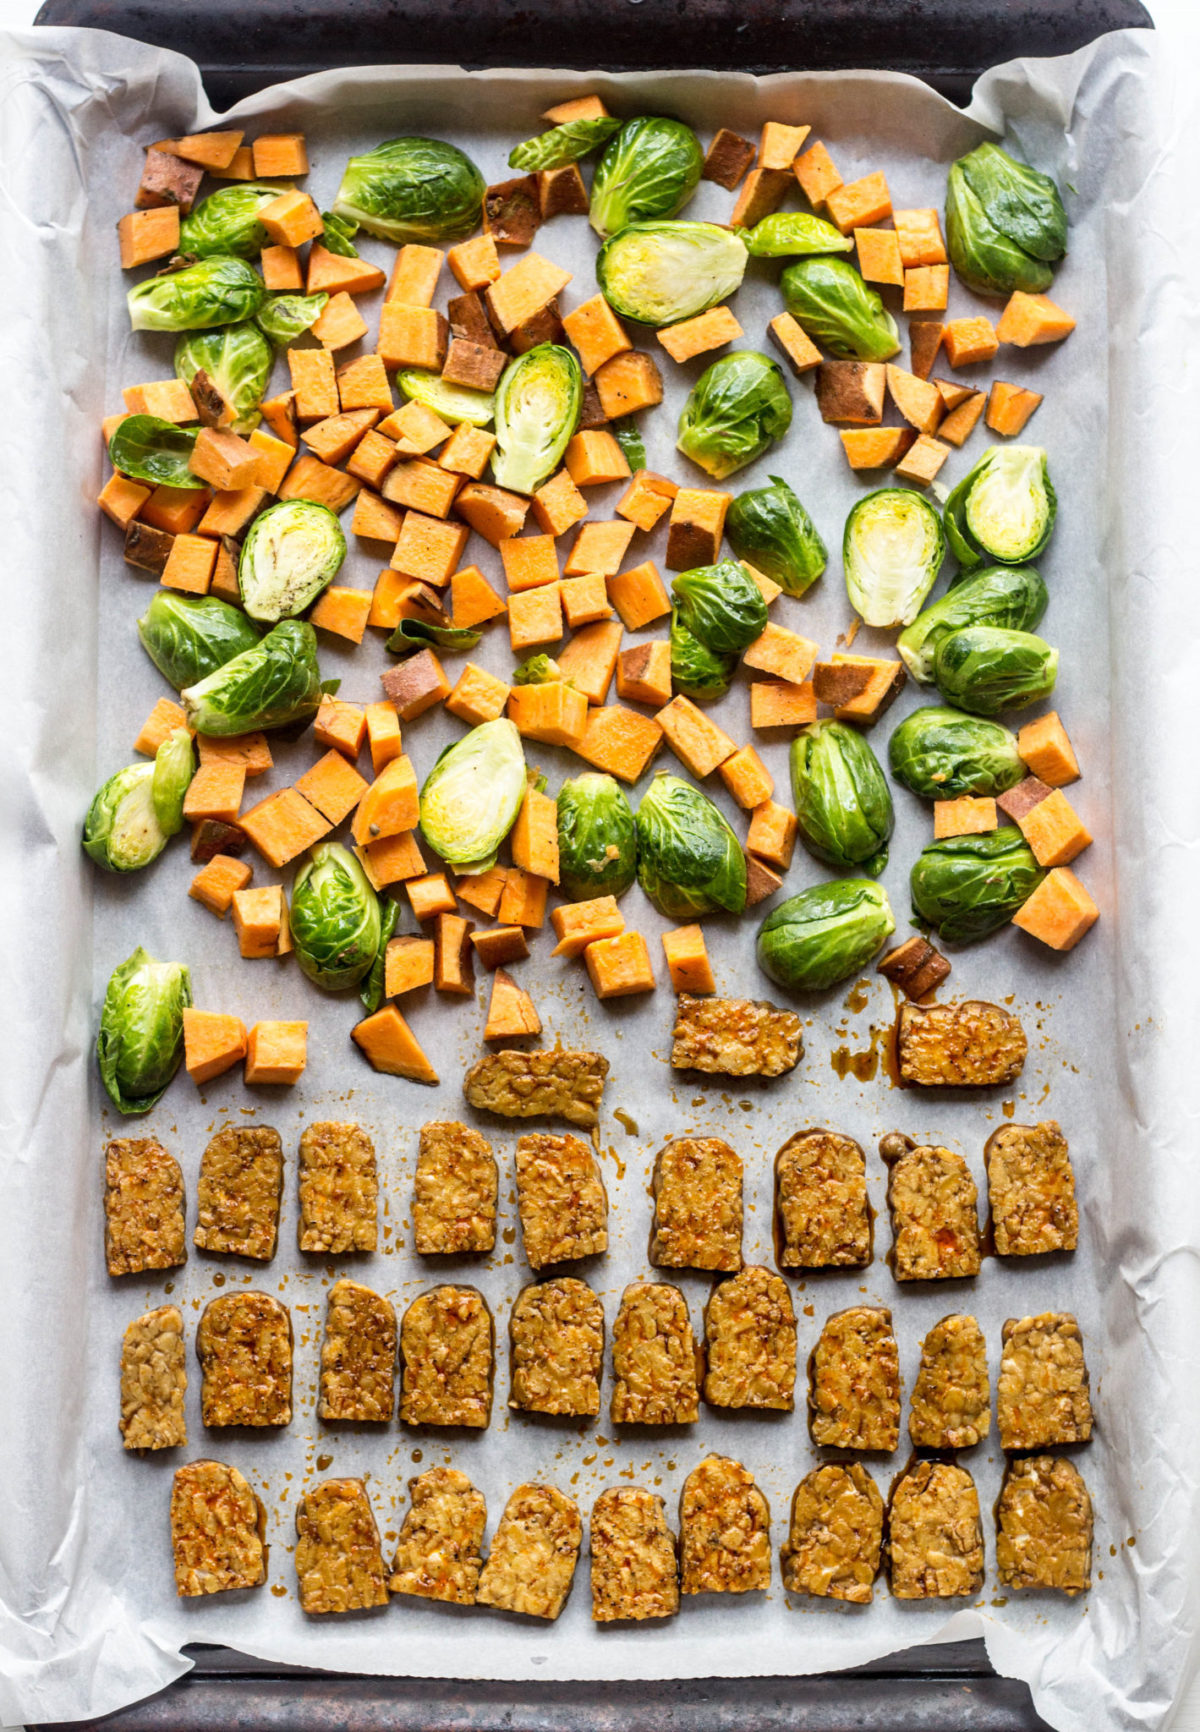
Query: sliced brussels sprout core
point(216, 291)
point(139, 1046)
point(597, 839)
point(650, 169)
point(829, 300)
point(967, 886)
point(188, 637)
point(291, 552)
point(892, 551)
point(843, 803)
point(825, 934)
point(660, 272)
point(454, 403)
point(689, 862)
point(986, 669)
point(227, 222)
point(238, 359)
point(412, 189)
point(737, 409)
point(283, 318)
point(537, 409)
point(769, 528)
point(697, 672)
point(472, 795)
point(335, 919)
point(941, 753)
point(147, 449)
point(174, 767)
point(1005, 507)
point(721, 606)
point(122, 831)
point(1007, 595)
point(794, 233)
point(270, 686)
point(563, 145)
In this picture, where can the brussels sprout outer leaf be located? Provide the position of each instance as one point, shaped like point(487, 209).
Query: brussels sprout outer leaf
point(537, 406)
point(649, 170)
point(339, 234)
point(563, 145)
point(292, 551)
point(1007, 595)
point(538, 670)
point(660, 273)
point(227, 222)
point(412, 635)
point(139, 1046)
point(769, 527)
point(721, 605)
point(238, 360)
point(825, 934)
point(270, 686)
point(628, 436)
point(986, 669)
point(188, 637)
point(472, 795)
point(689, 862)
point(335, 919)
point(174, 767)
point(698, 672)
point(372, 987)
point(412, 189)
point(941, 753)
point(597, 839)
point(829, 300)
point(794, 233)
point(122, 831)
point(147, 449)
point(892, 551)
point(967, 886)
point(843, 803)
point(214, 291)
point(735, 411)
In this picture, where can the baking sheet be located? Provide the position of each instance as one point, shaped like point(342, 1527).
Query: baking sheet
point(88, 1620)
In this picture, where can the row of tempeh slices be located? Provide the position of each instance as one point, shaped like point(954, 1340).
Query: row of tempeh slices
point(821, 1207)
point(748, 1361)
point(931, 1539)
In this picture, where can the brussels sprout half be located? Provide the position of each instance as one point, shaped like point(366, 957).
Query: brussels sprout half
point(291, 552)
point(1005, 223)
point(986, 669)
point(941, 753)
point(563, 145)
point(1003, 509)
point(597, 838)
point(139, 1046)
point(697, 672)
point(537, 407)
point(283, 318)
point(825, 934)
point(227, 222)
point(794, 233)
point(770, 529)
point(237, 359)
point(454, 403)
point(843, 804)
point(830, 301)
point(121, 831)
point(737, 409)
point(892, 551)
point(147, 449)
point(689, 862)
point(335, 919)
point(412, 189)
point(188, 637)
point(275, 683)
point(721, 606)
point(967, 886)
point(650, 169)
point(1008, 595)
point(659, 273)
point(215, 291)
point(472, 795)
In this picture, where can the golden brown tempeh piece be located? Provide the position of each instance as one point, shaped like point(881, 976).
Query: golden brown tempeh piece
point(244, 1345)
point(143, 1207)
point(557, 1335)
point(454, 1193)
point(821, 1202)
point(697, 1205)
point(154, 1381)
point(339, 1565)
point(854, 1381)
point(935, 1540)
point(561, 1200)
point(635, 1572)
point(750, 1342)
point(724, 1530)
point(1031, 1188)
point(532, 1561)
point(933, 1200)
point(735, 1037)
point(358, 1356)
point(950, 1406)
point(446, 1359)
point(1044, 1526)
point(656, 1368)
point(971, 1044)
point(217, 1530)
point(1042, 1393)
point(835, 1535)
point(237, 1198)
point(438, 1554)
point(338, 1190)
point(539, 1085)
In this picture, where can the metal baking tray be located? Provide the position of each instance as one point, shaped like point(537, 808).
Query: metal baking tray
point(241, 46)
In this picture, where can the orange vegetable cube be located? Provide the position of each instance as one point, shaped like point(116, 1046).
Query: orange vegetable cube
point(1054, 830)
point(529, 561)
point(584, 599)
point(873, 447)
point(478, 696)
point(534, 618)
point(638, 595)
point(419, 427)
point(314, 383)
point(879, 256)
point(291, 219)
point(779, 144)
point(389, 805)
point(1059, 912)
point(925, 344)
point(215, 791)
point(761, 192)
point(392, 861)
point(646, 499)
point(343, 612)
point(859, 203)
point(331, 273)
point(644, 673)
point(163, 719)
point(962, 421)
point(696, 526)
point(794, 344)
point(628, 383)
point(363, 384)
point(1009, 408)
point(969, 341)
point(558, 503)
point(190, 564)
point(339, 323)
point(467, 451)
point(473, 601)
point(390, 1046)
point(599, 547)
point(919, 233)
point(340, 724)
point(222, 459)
point(416, 685)
point(148, 234)
point(483, 890)
point(277, 154)
point(578, 924)
point(687, 960)
point(414, 275)
point(283, 826)
point(258, 920)
point(279, 413)
point(428, 489)
point(276, 1052)
point(922, 461)
point(782, 704)
point(1029, 319)
point(375, 520)
point(590, 658)
point(524, 289)
point(239, 167)
point(534, 836)
point(334, 438)
point(224, 583)
point(383, 734)
point(596, 333)
point(619, 741)
point(212, 1043)
point(429, 548)
point(578, 108)
point(554, 713)
point(523, 899)
point(511, 1011)
point(816, 174)
point(229, 511)
point(918, 401)
point(309, 478)
point(215, 883)
point(453, 955)
point(691, 337)
point(407, 965)
point(1047, 751)
point(619, 966)
point(493, 512)
point(727, 159)
point(500, 944)
point(333, 786)
point(176, 509)
point(747, 778)
point(281, 270)
point(695, 738)
point(474, 263)
point(412, 336)
point(969, 815)
point(121, 500)
point(431, 895)
point(783, 653)
point(772, 835)
point(168, 399)
point(926, 288)
point(593, 458)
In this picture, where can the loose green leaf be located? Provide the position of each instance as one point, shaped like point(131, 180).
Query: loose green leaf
point(796, 234)
point(412, 635)
point(339, 235)
point(562, 145)
point(372, 987)
point(628, 436)
point(147, 449)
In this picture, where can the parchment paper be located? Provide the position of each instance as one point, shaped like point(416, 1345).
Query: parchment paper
point(88, 1616)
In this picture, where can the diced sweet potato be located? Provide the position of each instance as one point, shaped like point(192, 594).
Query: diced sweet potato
point(498, 945)
point(920, 235)
point(590, 658)
point(727, 159)
point(468, 318)
point(467, 451)
point(309, 478)
point(512, 211)
point(474, 263)
point(558, 504)
point(762, 192)
point(599, 547)
point(230, 510)
point(407, 965)
point(382, 726)
point(529, 561)
point(224, 583)
point(783, 653)
point(1059, 912)
point(390, 805)
point(554, 713)
point(483, 890)
point(212, 1043)
point(858, 688)
point(283, 825)
point(926, 290)
point(163, 719)
point(879, 256)
point(335, 437)
point(250, 753)
point(969, 815)
point(875, 447)
point(782, 704)
point(511, 1012)
point(584, 600)
point(176, 509)
point(962, 420)
point(644, 674)
point(596, 333)
point(411, 336)
point(492, 512)
point(629, 383)
point(335, 788)
point(281, 270)
point(331, 273)
point(390, 1046)
point(210, 837)
point(314, 383)
point(1029, 319)
point(772, 835)
point(915, 967)
point(478, 696)
point(618, 740)
point(340, 724)
point(190, 564)
point(1054, 830)
point(240, 167)
point(967, 342)
point(747, 778)
point(343, 612)
point(695, 528)
point(1016, 802)
point(122, 500)
point(473, 601)
point(524, 289)
point(168, 180)
point(431, 895)
point(859, 203)
point(647, 498)
point(291, 218)
point(761, 881)
point(149, 549)
point(429, 549)
point(393, 861)
point(215, 791)
point(561, 192)
point(544, 326)
point(416, 685)
point(523, 899)
point(619, 967)
point(258, 920)
point(1047, 751)
point(779, 144)
point(696, 740)
point(534, 618)
point(922, 461)
point(577, 108)
point(277, 154)
point(918, 401)
point(817, 175)
point(578, 924)
point(363, 384)
point(638, 595)
point(215, 883)
point(453, 969)
point(415, 274)
point(687, 960)
point(594, 458)
point(851, 392)
point(794, 344)
point(212, 150)
point(168, 399)
point(1009, 407)
point(707, 331)
point(370, 462)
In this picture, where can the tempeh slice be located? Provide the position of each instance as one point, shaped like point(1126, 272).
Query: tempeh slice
point(750, 1342)
point(154, 1381)
point(697, 1205)
point(536, 1085)
point(561, 1200)
point(454, 1193)
point(438, 1554)
point(656, 1370)
point(532, 1561)
point(339, 1564)
point(1042, 1395)
point(358, 1356)
point(446, 1359)
point(338, 1189)
point(244, 1345)
point(836, 1534)
point(143, 1207)
point(821, 1202)
point(724, 1530)
point(735, 1037)
point(951, 1399)
point(237, 1198)
point(854, 1381)
point(1044, 1526)
point(635, 1572)
point(217, 1530)
point(935, 1539)
point(971, 1044)
point(557, 1334)
point(1031, 1188)
point(933, 1200)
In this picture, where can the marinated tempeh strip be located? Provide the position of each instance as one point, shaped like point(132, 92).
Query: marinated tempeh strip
point(557, 1334)
point(217, 1530)
point(537, 1085)
point(244, 1345)
point(935, 1539)
point(724, 1530)
point(835, 1535)
point(750, 1342)
point(454, 1193)
point(821, 1207)
point(143, 1207)
point(656, 1368)
point(532, 1561)
point(735, 1037)
point(439, 1552)
point(338, 1189)
point(933, 1200)
point(358, 1356)
point(854, 1381)
point(561, 1200)
point(1044, 1526)
point(697, 1205)
point(237, 1198)
point(950, 1406)
point(154, 1381)
point(446, 1359)
point(339, 1565)
point(1042, 1395)
point(1031, 1188)
point(635, 1572)
point(971, 1044)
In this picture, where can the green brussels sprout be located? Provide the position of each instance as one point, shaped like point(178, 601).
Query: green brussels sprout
point(689, 862)
point(721, 605)
point(174, 768)
point(628, 436)
point(412, 189)
point(188, 637)
point(283, 318)
point(699, 673)
point(770, 528)
point(967, 886)
point(649, 170)
point(454, 403)
point(292, 551)
point(227, 222)
point(830, 301)
point(121, 831)
point(237, 359)
point(413, 635)
point(1003, 509)
point(892, 551)
point(942, 753)
point(216, 291)
point(472, 795)
point(985, 669)
point(1008, 595)
point(139, 1046)
point(597, 838)
point(825, 934)
point(735, 411)
point(338, 235)
point(269, 686)
point(563, 145)
point(660, 273)
point(537, 670)
point(335, 919)
point(375, 979)
point(537, 408)
point(1005, 223)
point(794, 233)
point(843, 805)
point(147, 449)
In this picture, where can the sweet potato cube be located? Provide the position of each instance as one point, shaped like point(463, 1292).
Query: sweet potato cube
point(121, 500)
point(281, 270)
point(858, 688)
point(817, 175)
point(922, 461)
point(596, 333)
point(392, 861)
point(363, 384)
point(340, 724)
point(782, 704)
point(584, 600)
point(780, 144)
point(389, 805)
point(926, 289)
point(644, 673)
point(215, 883)
point(277, 154)
point(874, 447)
point(761, 193)
point(453, 957)
point(1047, 751)
point(258, 920)
point(534, 837)
point(500, 944)
point(148, 234)
point(851, 392)
point(578, 924)
point(411, 336)
point(920, 235)
point(619, 741)
point(492, 512)
point(224, 583)
point(335, 437)
point(594, 458)
point(628, 384)
point(1059, 912)
point(727, 159)
point(783, 653)
point(1016, 802)
point(687, 960)
point(554, 713)
point(331, 273)
point(309, 478)
point(691, 337)
point(772, 835)
point(276, 1052)
point(696, 740)
point(599, 547)
point(761, 882)
point(529, 561)
point(1054, 830)
point(190, 564)
point(561, 192)
point(647, 498)
point(558, 504)
point(523, 290)
point(415, 274)
point(590, 658)
point(335, 788)
point(291, 219)
point(473, 601)
point(511, 1011)
point(314, 383)
point(962, 421)
point(425, 487)
point(794, 344)
point(407, 965)
point(512, 211)
point(382, 726)
point(467, 451)
point(618, 967)
point(1029, 319)
point(239, 167)
point(247, 752)
point(163, 719)
point(416, 685)
point(747, 778)
point(212, 1043)
point(478, 366)
point(431, 895)
point(167, 180)
point(339, 323)
point(429, 549)
point(222, 459)
point(1009, 408)
point(474, 263)
point(168, 399)
point(859, 203)
point(696, 526)
point(215, 791)
point(967, 342)
point(638, 595)
point(283, 826)
point(918, 401)
point(478, 696)
point(343, 612)
point(534, 618)
point(371, 461)
point(482, 890)
point(175, 509)
point(879, 256)
point(578, 108)
point(969, 815)
point(389, 1045)
point(230, 510)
